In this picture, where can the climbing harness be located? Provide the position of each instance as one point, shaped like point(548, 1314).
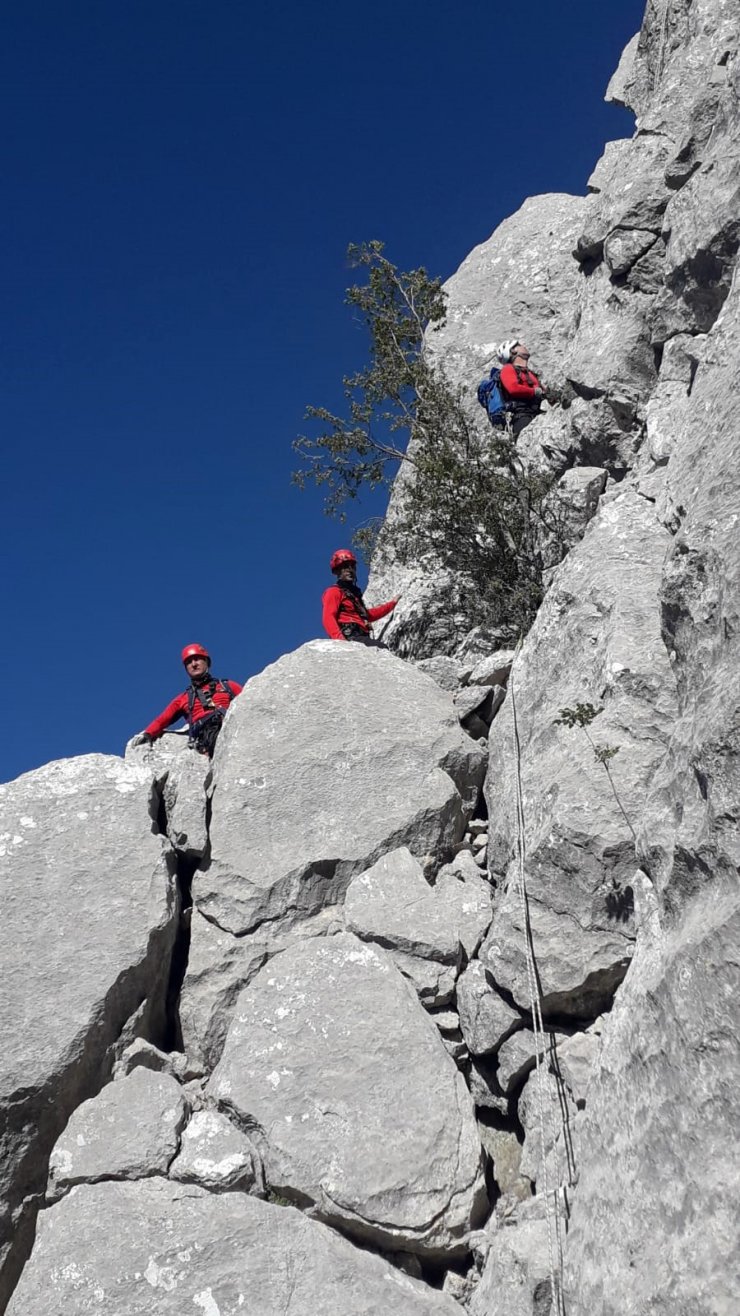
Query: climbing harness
point(203, 733)
point(544, 1101)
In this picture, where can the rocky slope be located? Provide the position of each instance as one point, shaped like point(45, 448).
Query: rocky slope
point(420, 1001)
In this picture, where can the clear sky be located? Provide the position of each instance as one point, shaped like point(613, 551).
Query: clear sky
point(181, 181)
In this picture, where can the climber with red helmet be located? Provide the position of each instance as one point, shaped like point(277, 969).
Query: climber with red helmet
point(345, 614)
point(203, 704)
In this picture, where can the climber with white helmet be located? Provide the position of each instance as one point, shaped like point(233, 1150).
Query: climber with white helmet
point(203, 704)
point(522, 389)
point(345, 614)
point(512, 393)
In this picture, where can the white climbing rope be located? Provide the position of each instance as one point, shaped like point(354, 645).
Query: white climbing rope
point(544, 1099)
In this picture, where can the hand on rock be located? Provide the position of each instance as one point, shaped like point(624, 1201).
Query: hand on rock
point(143, 738)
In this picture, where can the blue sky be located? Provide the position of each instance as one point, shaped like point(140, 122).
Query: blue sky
point(181, 183)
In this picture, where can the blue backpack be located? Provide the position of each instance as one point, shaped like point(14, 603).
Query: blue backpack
point(491, 396)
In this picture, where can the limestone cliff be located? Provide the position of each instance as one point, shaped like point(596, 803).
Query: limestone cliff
point(419, 1000)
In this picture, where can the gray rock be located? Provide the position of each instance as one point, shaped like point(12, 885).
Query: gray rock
point(323, 1059)
point(622, 89)
point(549, 1109)
point(217, 1156)
point(433, 982)
point(447, 672)
point(663, 1109)
point(468, 898)
point(131, 1130)
point(517, 1055)
point(224, 1253)
point(393, 904)
point(577, 1057)
point(220, 966)
point(505, 1152)
point(516, 1276)
point(474, 699)
point(144, 1055)
point(180, 776)
point(327, 761)
point(493, 669)
point(89, 918)
point(596, 640)
point(484, 1087)
point(485, 1018)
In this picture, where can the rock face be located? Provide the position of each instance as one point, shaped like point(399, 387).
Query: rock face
point(225, 1253)
point(594, 642)
point(88, 924)
point(322, 1063)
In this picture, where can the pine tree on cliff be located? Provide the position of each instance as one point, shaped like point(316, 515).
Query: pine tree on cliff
point(468, 500)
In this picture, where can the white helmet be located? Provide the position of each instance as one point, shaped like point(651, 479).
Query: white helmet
point(504, 350)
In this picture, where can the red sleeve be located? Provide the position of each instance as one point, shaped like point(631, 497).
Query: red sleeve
point(234, 685)
point(178, 708)
point(382, 610)
point(515, 387)
point(331, 603)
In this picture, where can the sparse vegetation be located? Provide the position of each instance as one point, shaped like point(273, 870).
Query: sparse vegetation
point(469, 501)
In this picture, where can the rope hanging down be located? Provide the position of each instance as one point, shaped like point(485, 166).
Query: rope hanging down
point(544, 1094)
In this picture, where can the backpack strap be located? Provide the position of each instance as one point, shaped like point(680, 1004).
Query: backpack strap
point(356, 600)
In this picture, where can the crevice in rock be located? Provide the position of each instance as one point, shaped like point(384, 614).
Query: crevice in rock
point(185, 869)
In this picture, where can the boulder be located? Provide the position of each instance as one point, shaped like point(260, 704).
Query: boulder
point(322, 1061)
point(217, 1156)
point(180, 775)
point(516, 1276)
point(558, 1117)
point(597, 642)
point(493, 669)
point(131, 1130)
point(486, 1019)
point(447, 672)
point(219, 966)
point(187, 1250)
point(392, 904)
point(88, 924)
point(348, 717)
point(467, 896)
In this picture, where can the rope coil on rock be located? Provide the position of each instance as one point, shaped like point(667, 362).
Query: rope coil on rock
point(544, 1103)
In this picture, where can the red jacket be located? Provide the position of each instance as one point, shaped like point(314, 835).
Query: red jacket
point(340, 607)
point(519, 384)
point(179, 708)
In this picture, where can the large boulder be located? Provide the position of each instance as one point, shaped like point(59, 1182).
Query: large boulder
point(161, 1247)
point(369, 757)
point(352, 1099)
point(89, 919)
point(596, 641)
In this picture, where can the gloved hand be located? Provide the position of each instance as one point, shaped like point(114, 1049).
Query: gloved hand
point(143, 738)
point(539, 393)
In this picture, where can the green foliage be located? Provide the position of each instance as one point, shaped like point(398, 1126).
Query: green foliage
point(580, 716)
point(468, 499)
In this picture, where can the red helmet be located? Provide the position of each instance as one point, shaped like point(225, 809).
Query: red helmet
point(342, 558)
point(195, 651)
